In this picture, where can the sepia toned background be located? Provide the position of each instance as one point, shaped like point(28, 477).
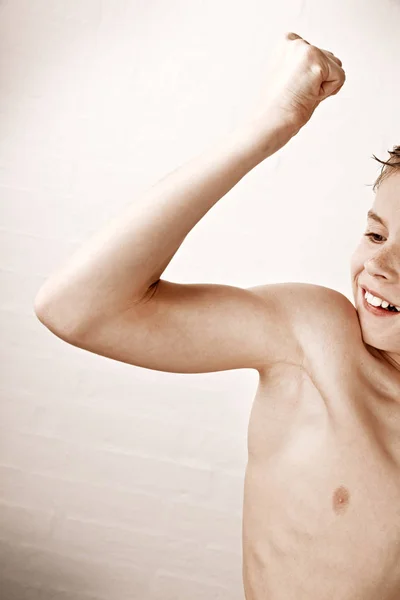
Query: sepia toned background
point(118, 482)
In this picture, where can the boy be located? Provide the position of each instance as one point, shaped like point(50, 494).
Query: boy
point(321, 516)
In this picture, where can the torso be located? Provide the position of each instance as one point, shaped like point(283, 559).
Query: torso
point(321, 515)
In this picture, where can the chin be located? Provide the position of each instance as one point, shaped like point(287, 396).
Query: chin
point(368, 336)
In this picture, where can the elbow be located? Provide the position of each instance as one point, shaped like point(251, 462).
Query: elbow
point(39, 307)
point(47, 314)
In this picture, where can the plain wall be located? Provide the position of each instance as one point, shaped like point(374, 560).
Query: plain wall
point(118, 482)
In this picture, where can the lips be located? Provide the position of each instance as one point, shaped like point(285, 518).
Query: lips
point(378, 295)
point(376, 310)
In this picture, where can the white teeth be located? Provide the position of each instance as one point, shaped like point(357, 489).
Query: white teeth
point(378, 301)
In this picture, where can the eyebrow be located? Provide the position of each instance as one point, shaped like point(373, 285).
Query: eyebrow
point(372, 215)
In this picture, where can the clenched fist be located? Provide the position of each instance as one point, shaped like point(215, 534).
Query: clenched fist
point(301, 77)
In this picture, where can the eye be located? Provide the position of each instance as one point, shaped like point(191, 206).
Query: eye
point(371, 235)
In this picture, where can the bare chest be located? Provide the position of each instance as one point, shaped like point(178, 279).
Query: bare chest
point(322, 487)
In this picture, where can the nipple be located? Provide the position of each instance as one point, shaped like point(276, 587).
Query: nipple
point(340, 499)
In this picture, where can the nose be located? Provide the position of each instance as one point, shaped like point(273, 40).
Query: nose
point(381, 265)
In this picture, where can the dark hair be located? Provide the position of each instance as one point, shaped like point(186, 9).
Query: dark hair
point(393, 163)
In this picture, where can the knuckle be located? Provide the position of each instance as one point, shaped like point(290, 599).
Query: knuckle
point(290, 35)
point(312, 52)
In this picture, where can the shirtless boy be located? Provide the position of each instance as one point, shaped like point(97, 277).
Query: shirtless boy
point(321, 517)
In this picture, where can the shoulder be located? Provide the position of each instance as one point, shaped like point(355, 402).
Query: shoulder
point(328, 328)
point(309, 305)
point(318, 317)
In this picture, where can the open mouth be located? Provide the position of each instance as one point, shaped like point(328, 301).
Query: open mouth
point(378, 310)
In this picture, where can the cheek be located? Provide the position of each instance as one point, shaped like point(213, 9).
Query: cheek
point(357, 260)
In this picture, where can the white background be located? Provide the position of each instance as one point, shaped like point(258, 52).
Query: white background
point(118, 482)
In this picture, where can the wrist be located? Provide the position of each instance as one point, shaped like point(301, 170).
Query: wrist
point(261, 137)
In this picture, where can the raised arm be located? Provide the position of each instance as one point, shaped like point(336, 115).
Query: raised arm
point(118, 266)
point(111, 289)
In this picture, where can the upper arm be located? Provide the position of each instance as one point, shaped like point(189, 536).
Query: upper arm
point(199, 328)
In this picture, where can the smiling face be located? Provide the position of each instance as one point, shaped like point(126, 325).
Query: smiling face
point(375, 264)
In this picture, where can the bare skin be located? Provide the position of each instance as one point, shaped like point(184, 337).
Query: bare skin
point(322, 488)
point(321, 516)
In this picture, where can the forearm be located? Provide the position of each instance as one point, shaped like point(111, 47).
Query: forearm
point(115, 268)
